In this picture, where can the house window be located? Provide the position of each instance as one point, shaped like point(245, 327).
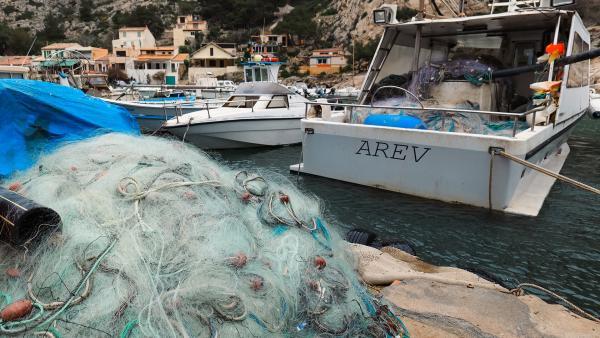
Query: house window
point(212, 63)
point(139, 34)
point(182, 19)
point(322, 61)
point(124, 34)
point(579, 72)
point(121, 66)
point(164, 66)
point(121, 53)
point(222, 63)
point(212, 52)
point(173, 68)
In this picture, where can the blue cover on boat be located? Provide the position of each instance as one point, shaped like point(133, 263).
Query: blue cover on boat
point(398, 121)
point(38, 116)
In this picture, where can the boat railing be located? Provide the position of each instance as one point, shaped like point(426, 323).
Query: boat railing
point(207, 105)
point(443, 111)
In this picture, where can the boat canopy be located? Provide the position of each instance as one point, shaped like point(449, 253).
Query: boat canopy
point(39, 116)
point(261, 88)
point(503, 22)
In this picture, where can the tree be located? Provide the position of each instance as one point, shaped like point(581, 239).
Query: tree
point(141, 16)
point(53, 29)
point(14, 41)
point(85, 10)
point(238, 14)
point(298, 22)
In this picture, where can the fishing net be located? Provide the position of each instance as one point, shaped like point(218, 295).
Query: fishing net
point(440, 120)
point(159, 240)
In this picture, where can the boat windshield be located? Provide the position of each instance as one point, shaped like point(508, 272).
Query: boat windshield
point(242, 101)
point(278, 101)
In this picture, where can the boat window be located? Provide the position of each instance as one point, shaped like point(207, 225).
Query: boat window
point(257, 74)
point(241, 102)
point(4, 75)
point(278, 101)
point(264, 74)
point(578, 72)
point(525, 54)
point(249, 75)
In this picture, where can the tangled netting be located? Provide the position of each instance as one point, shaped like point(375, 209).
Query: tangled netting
point(472, 70)
point(159, 240)
point(442, 121)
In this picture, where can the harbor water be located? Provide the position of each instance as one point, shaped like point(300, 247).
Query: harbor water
point(559, 249)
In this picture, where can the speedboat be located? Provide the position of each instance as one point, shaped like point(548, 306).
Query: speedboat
point(257, 114)
point(152, 111)
point(463, 110)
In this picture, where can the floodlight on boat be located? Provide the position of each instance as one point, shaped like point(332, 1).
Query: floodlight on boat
point(386, 14)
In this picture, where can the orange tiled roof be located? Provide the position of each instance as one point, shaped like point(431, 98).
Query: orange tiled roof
point(150, 57)
point(159, 48)
point(15, 60)
point(181, 57)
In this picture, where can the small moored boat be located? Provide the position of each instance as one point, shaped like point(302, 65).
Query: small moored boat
point(257, 114)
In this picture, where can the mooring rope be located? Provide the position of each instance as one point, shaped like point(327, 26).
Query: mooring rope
point(546, 171)
point(519, 291)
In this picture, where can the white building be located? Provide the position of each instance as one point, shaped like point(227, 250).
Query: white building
point(213, 59)
point(158, 65)
point(186, 29)
point(134, 37)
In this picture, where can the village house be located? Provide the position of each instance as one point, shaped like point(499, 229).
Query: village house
point(158, 65)
point(213, 59)
point(73, 55)
point(268, 44)
point(16, 60)
point(134, 38)
point(328, 61)
point(186, 29)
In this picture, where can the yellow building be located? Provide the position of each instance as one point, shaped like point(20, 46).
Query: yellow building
point(186, 29)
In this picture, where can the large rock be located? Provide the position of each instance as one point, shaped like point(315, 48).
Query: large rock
point(449, 302)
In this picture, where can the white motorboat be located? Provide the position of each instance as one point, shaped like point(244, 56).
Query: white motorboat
point(257, 114)
point(151, 111)
point(465, 106)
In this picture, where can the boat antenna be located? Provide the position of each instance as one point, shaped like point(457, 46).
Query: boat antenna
point(29, 50)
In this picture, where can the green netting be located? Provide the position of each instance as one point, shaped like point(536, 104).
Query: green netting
point(159, 240)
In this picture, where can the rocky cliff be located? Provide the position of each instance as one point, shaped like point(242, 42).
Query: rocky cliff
point(354, 19)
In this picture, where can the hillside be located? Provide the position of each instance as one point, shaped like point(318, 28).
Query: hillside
point(318, 23)
point(334, 22)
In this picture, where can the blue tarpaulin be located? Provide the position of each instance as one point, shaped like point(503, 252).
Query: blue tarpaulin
point(36, 117)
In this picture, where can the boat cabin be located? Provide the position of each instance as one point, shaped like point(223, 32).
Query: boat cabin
point(260, 96)
point(461, 63)
point(261, 71)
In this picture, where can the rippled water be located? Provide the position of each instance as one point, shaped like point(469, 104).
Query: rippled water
point(559, 249)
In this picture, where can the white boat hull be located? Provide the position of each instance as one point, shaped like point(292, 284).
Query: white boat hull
point(151, 116)
point(444, 166)
point(242, 133)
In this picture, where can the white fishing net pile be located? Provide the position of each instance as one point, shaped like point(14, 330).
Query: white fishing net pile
point(159, 240)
